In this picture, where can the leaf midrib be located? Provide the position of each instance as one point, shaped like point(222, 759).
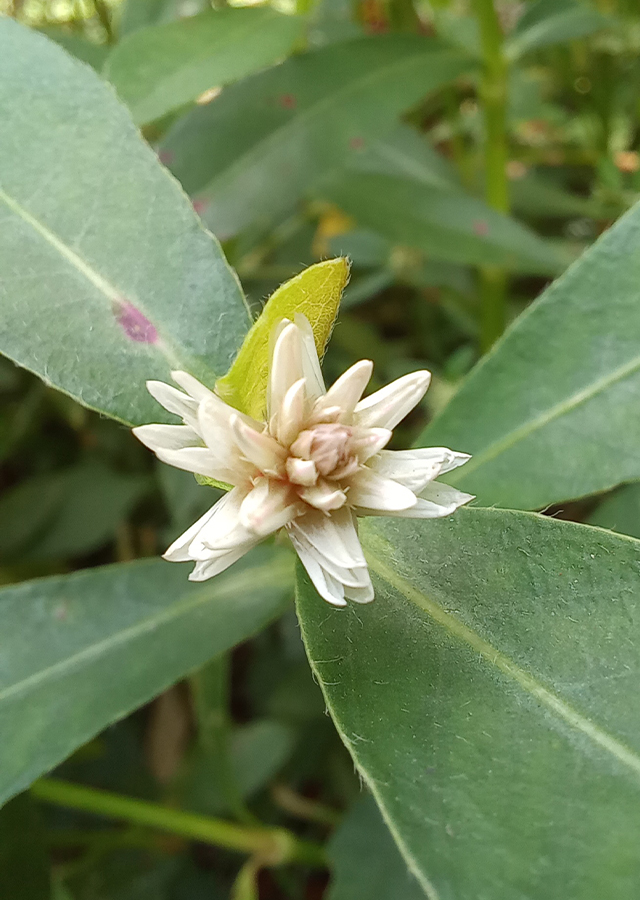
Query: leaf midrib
point(104, 286)
point(498, 659)
point(260, 148)
point(554, 412)
point(246, 580)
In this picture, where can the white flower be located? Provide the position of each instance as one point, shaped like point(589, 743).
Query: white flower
point(316, 464)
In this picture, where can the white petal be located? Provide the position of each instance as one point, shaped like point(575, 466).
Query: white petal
point(334, 537)
point(329, 589)
point(373, 491)
point(214, 422)
point(200, 460)
point(371, 442)
point(390, 404)
point(259, 448)
point(435, 500)
point(191, 385)
point(348, 389)
point(413, 468)
point(223, 531)
point(455, 460)
point(291, 415)
point(285, 368)
point(310, 362)
point(179, 550)
point(207, 568)
point(173, 400)
point(268, 506)
point(302, 471)
point(362, 593)
point(167, 437)
point(323, 496)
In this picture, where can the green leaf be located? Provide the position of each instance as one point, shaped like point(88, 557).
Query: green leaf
point(66, 513)
point(83, 650)
point(489, 698)
point(548, 22)
point(444, 223)
point(157, 70)
point(365, 861)
point(254, 152)
point(107, 277)
point(315, 293)
point(620, 511)
point(540, 411)
point(24, 863)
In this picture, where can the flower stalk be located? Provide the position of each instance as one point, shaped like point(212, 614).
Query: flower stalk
point(272, 846)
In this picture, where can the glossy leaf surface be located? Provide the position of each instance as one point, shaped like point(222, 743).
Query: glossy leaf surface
point(551, 413)
point(108, 278)
point(83, 650)
point(158, 69)
point(488, 696)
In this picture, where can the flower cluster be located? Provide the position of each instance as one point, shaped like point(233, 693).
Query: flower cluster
point(316, 464)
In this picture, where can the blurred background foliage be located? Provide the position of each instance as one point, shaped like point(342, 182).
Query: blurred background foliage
point(399, 178)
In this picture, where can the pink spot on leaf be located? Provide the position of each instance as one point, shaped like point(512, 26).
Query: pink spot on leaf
point(480, 228)
point(199, 206)
point(287, 101)
point(356, 143)
point(134, 323)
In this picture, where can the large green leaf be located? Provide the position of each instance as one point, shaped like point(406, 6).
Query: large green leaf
point(106, 275)
point(447, 224)
point(158, 69)
point(81, 651)
point(551, 412)
point(254, 151)
point(489, 698)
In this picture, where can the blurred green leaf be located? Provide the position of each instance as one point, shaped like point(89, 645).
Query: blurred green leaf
point(620, 511)
point(551, 412)
point(250, 155)
point(24, 862)
point(446, 224)
point(365, 862)
point(157, 70)
point(548, 22)
point(66, 513)
point(314, 293)
point(83, 49)
point(258, 751)
point(107, 276)
point(488, 697)
point(81, 651)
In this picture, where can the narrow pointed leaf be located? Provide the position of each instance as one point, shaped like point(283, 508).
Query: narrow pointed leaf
point(255, 151)
point(158, 69)
point(443, 222)
point(489, 698)
point(83, 650)
point(551, 413)
point(107, 277)
point(315, 293)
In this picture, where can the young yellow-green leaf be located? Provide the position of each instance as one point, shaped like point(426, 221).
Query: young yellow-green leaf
point(316, 294)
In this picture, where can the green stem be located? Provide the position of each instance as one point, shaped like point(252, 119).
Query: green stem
point(493, 94)
point(272, 846)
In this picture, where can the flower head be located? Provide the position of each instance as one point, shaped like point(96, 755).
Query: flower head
point(316, 464)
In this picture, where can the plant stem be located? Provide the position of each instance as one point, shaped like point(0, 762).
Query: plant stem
point(493, 94)
point(272, 846)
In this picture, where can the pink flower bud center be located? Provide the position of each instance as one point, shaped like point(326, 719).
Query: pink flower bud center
point(330, 446)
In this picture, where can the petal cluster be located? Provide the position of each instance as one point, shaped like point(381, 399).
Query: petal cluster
point(316, 464)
